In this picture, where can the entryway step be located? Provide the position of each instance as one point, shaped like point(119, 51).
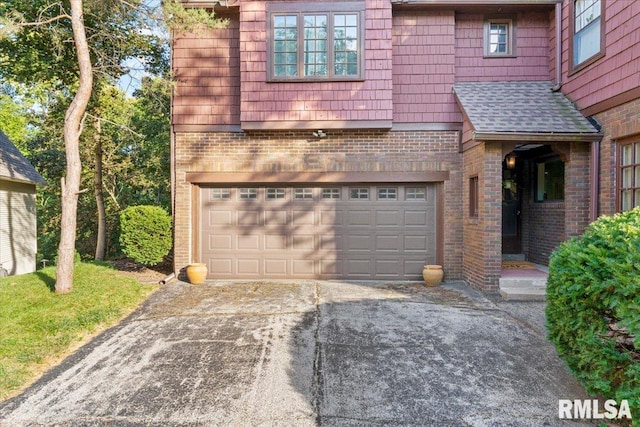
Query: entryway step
point(531, 293)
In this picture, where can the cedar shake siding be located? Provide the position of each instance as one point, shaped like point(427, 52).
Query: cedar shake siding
point(429, 100)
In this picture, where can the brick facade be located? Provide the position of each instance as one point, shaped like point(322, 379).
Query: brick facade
point(343, 151)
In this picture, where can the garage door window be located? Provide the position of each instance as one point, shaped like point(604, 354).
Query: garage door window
point(303, 194)
point(413, 193)
point(359, 193)
point(248, 193)
point(387, 193)
point(275, 193)
point(331, 193)
point(220, 194)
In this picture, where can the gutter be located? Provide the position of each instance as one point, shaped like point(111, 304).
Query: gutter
point(536, 137)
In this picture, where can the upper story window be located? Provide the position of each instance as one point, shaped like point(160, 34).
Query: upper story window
point(319, 41)
point(587, 30)
point(499, 37)
point(629, 175)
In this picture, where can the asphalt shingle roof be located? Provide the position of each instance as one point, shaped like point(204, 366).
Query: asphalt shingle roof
point(14, 166)
point(520, 107)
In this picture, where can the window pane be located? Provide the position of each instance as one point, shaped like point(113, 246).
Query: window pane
point(248, 193)
point(330, 193)
point(627, 177)
point(637, 150)
point(636, 181)
point(315, 36)
point(303, 193)
point(586, 42)
point(626, 201)
point(636, 201)
point(415, 194)
point(275, 193)
point(499, 38)
point(550, 181)
point(345, 44)
point(285, 46)
point(626, 155)
point(220, 194)
point(359, 193)
point(387, 194)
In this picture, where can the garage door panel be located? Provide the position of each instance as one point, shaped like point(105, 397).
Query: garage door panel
point(276, 235)
point(275, 242)
point(250, 218)
point(275, 267)
point(248, 266)
point(220, 266)
point(220, 218)
point(303, 267)
point(359, 218)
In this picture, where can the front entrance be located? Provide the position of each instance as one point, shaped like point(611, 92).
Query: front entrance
point(511, 206)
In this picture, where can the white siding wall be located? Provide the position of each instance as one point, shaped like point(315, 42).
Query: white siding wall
point(18, 241)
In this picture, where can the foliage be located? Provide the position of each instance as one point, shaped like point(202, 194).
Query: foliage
point(39, 327)
point(593, 307)
point(145, 233)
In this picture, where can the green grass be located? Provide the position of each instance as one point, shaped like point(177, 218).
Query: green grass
point(39, 327)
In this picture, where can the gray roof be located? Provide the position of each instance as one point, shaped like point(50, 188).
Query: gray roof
point(520, 107)
point(14, 166)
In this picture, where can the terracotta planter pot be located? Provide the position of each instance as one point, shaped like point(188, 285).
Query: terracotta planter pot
point(197, 273)
point(432, 275)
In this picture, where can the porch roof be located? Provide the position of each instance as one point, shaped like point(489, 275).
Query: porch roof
point(522, 110)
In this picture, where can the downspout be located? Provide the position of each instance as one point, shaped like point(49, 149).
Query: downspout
point(172, 158)
point(594, 182)
point(558, 84)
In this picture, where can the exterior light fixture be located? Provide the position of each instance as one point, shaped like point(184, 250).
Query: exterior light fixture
point(511, 161)
point(319, 133)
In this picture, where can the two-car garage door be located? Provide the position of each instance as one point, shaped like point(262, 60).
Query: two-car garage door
point(360, 231)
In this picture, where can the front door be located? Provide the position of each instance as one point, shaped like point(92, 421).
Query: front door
point(511, 208)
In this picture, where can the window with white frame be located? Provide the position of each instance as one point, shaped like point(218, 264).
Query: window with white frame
point(587, 30)
point(316, 41)
point(499, 37)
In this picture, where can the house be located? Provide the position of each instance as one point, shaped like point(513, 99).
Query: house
point(18, 238)
point(364, 139)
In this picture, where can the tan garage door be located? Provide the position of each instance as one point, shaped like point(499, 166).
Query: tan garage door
point(342, 232)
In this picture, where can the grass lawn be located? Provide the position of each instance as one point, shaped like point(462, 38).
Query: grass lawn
point(38, 327)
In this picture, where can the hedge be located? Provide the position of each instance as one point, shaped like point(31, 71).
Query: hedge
point(593, 307)
point(145, 233)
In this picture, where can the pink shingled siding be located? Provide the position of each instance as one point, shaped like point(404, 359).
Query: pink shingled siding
point(366, 100)
point(207, 70)
point(619, 70)
point(532, 50)
point(423, 67)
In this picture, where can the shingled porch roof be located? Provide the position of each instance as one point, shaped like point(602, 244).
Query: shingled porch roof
point(521, 111)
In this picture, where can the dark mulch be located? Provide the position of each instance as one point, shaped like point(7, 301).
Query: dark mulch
point(142, 273)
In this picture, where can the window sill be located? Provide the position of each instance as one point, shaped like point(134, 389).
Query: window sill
point(585, 64)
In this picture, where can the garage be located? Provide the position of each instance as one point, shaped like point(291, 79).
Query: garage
point(357, 231)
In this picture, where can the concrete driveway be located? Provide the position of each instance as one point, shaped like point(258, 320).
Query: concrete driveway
point(309, 353)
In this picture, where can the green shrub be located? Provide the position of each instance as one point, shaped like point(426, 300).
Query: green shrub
point(593, 307)
point(145, 233)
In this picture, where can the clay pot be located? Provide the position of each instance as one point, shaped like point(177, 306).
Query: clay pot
point(197, 273)
point(432, 275)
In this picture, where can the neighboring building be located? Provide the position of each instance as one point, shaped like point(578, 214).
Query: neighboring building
point(18, 238)
point(364, 139)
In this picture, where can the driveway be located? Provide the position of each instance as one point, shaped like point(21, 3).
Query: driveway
point(309, 353)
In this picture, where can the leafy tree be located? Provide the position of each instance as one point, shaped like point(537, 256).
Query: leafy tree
point(64, 45)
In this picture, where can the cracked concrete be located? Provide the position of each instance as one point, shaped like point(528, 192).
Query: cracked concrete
point(309, 353)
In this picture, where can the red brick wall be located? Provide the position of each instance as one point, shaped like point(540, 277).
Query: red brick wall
point(482, 236)
point(354, 151)
point(368, 100)
point(532, 50)
point(423, 67)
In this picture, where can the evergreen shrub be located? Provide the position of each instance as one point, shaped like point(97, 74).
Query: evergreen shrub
point(593, 307)
point(145, 233)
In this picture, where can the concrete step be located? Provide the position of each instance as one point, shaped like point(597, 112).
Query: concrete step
point(530, 293)
point(523, 282)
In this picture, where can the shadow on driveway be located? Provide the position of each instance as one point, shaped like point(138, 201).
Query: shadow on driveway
point(309, 353)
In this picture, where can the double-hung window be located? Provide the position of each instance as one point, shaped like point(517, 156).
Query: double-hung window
point(587, 30)
point(316, 41)
point(629, 174)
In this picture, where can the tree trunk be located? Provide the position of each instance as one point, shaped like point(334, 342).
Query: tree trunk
point(72, 129)
point(101, 244)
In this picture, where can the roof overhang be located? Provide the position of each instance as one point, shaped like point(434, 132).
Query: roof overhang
point(536, 137)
